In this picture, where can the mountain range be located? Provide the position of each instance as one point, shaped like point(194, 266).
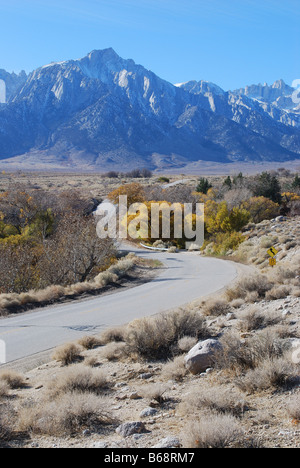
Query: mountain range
point(102, 112)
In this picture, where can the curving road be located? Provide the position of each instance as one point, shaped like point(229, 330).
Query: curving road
point(187, 277)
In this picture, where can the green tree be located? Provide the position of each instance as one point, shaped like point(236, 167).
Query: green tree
point(228, 182)
point(267, 185)
point(203, 186)
point(239, 179)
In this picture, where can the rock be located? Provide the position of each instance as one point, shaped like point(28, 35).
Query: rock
point(168, 442)
point(130, 428)
point(199, 359)
point(294, 343)
point(134, 396)
point(120, 385)
point(146, 376)
point(138, 436)
point(121, 397)
point(230, 316)
point(100, 445)
point(148, 412)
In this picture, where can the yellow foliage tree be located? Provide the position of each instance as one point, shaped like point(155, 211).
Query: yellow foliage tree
point(261, 208)
point(134, 192)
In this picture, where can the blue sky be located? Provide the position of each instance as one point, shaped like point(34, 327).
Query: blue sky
point(230, 42)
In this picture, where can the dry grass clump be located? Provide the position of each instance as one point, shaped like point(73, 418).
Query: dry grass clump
point(92, 361)
point(174, 369)
point(278, 292)
point(156, 337)
point(254, 319)
point(67, 354)
point(282, 273)
point(294, 408)
point(216, 308)
point(237, 303)
point(6, 424)
point(114, 351)
point(89, 342)
point(266, 242)
point(238, 356)
point(112, 334)
point(155, 392)
point(79, 378)
point(12, 379)
point(68, 415)
point(271, 374)
point(257, 285)
point(4, 389)
point(296, 292)
point(186, 343)
point(291, 245)
point(213, 431)
point(217, 400)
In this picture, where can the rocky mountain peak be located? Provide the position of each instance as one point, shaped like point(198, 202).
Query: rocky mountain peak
point(106, 112)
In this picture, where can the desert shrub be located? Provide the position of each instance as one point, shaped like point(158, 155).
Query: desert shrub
point(186, 343)
point(278, 292)
point(174, 369)
point(293, 407)
point(12, 379)
point(114, 351)
point(155, 392)
point(113, 334)
point(266, 242)
point(270, 374)
point(67, 354)
point(92, 361)
point(79, 378)
point(282, 274)
point(122, 267)
point(216, 307)
point(6, 424)
point(217, 400)
point(163, 180)
point(291, 245)
point(213, 431)
point(4, 389)
point(157, 337)
point(258, 284)
point(254, 319)
point(222, 243)
point(68, 415)
point(295, 208)
point(89, 342)
point(241, 355)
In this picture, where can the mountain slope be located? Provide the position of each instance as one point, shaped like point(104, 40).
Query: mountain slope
point(103, 112)
point(13, 83)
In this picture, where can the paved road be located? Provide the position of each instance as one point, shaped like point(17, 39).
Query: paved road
point(187, 277)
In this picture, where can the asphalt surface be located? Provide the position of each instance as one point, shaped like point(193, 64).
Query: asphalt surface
point(187, 277)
